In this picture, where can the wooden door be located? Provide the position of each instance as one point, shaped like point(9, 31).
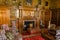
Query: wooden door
point(4, 15)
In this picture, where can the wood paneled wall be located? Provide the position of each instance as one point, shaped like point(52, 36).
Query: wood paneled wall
point(4, 15)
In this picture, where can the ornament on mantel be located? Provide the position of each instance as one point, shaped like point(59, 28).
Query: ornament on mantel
point(49, 25)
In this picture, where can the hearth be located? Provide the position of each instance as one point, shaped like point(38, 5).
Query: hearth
point(28, 23)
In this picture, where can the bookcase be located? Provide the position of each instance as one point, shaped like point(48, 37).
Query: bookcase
point(55, 16)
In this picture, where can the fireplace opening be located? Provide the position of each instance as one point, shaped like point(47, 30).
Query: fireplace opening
point(28, 23)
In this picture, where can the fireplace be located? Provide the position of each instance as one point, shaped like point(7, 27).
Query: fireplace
point(28, 23)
